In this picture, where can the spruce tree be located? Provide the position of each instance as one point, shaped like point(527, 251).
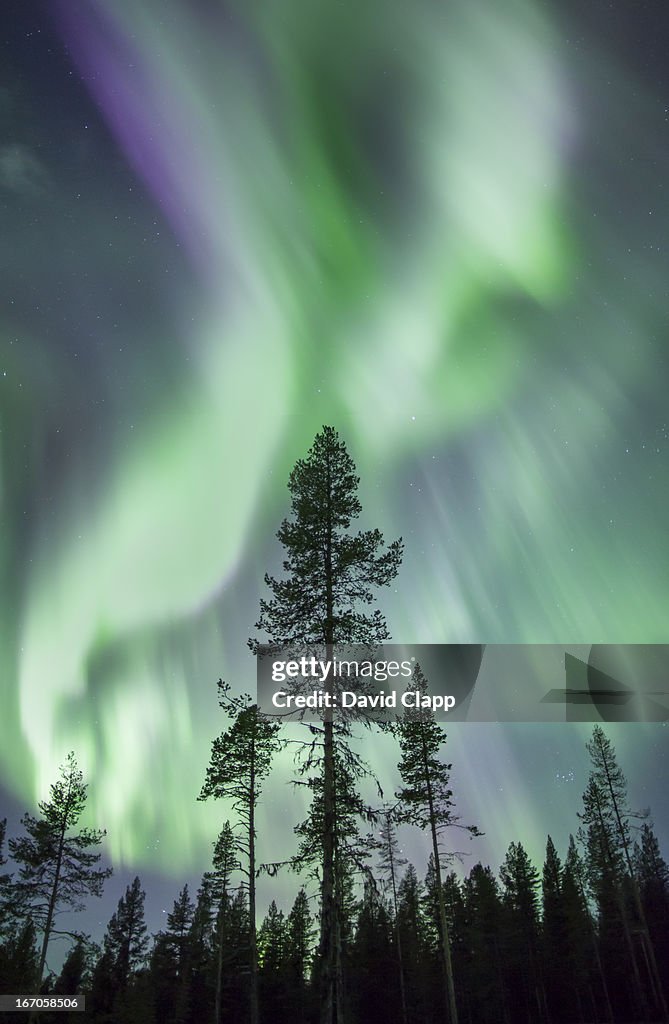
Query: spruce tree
point(609, 822)
point(7, 906)
point(241, 758)
point(390, 862)
point(3, 859)
point(201, 944)
point(57, 865)
point(125, 941)
point(322, 598)
point(483, 937)
point(73, 972)
point(236, 959)
point(225, 862)
point(300, 933)
point(176, 934)
point(373, 972)
point(554, 930)
point(102, 994)
point(426, 801)
point(273, 975)
point(583, 945)
point(652, 874)
point(411, 927)
point(171, 960)
point(272, 940)
point(520, 882)
point(19, 959)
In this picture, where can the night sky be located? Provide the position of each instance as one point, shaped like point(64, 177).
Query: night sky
point(441, 228)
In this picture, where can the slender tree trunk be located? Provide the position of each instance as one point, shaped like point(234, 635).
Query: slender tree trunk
point(602, 975)
point(48, 925)
point(51, 910)
point(595, 947)
point(400, 964)
point(339, 965)
point(398, 941)
point(647, 945)
point(449, 987)
point(642, 1002)
point(219, 961)
point(253, 945)
point(330, 940)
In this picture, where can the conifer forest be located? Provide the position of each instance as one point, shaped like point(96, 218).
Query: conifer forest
point(582, 937)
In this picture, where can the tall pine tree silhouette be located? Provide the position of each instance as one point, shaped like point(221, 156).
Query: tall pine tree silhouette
point(426, 800)
point(57, 866)
point(241, 758)
point(608, 819)
point(323, 598)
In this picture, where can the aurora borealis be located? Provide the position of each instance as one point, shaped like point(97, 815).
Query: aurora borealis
point(440, 228)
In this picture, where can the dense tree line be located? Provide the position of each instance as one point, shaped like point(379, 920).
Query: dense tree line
point(531, 942)
point(583, 936)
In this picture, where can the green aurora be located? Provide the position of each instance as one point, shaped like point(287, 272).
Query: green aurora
point(243, 221)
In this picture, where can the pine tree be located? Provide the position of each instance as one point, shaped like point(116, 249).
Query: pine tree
point(19, 960)
point(652, 874)
point(241, 758)
point(483, 940)
point(170, 960)
point(426, 801)
point(201, 945)
point(411, 928)
point(3, 859)
point(103, 988)
point(236, 959)
point(582, 938)
point(329, 579)
point(455, 917)
point(390, 862)
point(179, 921)
point(126, 942)
point(56, 865)
point(272, 940)
point(7, 906)
point(225, 861)
point(520, 881)
point(604, 864)
point(554, 931)
point(202, 927)
point(351, 851)
point(299, 942)
point(608, 822)
point(272, 965)
point(373, 974)
point(433, 899)
point(73, 972)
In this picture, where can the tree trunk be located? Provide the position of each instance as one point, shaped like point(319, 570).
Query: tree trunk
point(647, 945)
point(328, 943)
point(48, 925)
point(331, 967)
point(398, 941)
point(50, 912)
point(253, 945)
point(449, 987)
point(642, 1002)
point(219, 961)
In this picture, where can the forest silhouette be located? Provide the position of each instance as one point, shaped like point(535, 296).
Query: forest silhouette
point(584, 937)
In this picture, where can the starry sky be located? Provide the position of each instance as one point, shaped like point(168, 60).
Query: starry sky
point(441, 228)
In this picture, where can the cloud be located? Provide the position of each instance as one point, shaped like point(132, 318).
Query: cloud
point(21, 171)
